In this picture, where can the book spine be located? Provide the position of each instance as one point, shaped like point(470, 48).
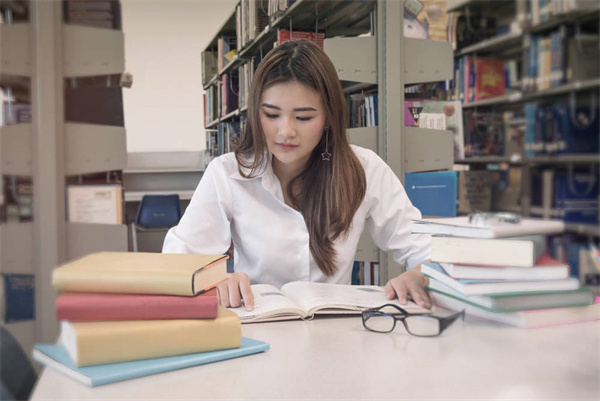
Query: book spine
point(109, 342)
point(78, 307)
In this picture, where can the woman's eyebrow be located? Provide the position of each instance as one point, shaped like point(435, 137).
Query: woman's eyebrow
point(270, 106)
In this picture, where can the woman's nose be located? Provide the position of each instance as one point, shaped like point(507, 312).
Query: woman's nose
point(287, 128)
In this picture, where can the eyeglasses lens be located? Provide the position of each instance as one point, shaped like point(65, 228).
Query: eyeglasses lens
point(381, 322)
point(422, 325)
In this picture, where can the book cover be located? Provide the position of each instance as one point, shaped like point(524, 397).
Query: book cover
point(517, 301)
point(86, 306)
point(101, 204)
point(434, 194)
point(576, 194)
point(426, 19)
point(515, 251)
point(19, 297)
point(490, 79)
point(461, 227)
point(529, 319)
point(141, 273)
point(95, 343)
point(473, 287)
point(545, 268)
point(474, 193)
point(57, 357)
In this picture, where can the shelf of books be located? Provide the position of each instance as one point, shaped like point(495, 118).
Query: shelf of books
point(527, 76)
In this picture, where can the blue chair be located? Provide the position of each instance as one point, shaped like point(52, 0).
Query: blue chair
point(16, 370)
point(156, 212)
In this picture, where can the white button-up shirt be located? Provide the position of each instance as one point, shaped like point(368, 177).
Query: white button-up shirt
point(271, 241)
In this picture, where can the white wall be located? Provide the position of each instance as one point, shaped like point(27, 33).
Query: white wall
point(163, 45)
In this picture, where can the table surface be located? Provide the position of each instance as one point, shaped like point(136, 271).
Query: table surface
point(336, 358)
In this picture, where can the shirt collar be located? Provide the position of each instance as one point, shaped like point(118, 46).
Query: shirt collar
point(265, 173)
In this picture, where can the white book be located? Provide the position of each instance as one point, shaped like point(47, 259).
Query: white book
point(472, 287)
point(460, 227)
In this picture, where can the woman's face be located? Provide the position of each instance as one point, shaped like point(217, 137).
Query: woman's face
point(292, 117)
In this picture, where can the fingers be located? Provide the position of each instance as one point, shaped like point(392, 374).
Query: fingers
point(419, 295)
point(232, 291)
point(223, 292)
point(246, 292)
point(409, 283)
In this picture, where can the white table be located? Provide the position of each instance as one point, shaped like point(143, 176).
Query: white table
point(335, 358)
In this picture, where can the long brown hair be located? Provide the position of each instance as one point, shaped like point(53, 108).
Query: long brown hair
point(337, 186)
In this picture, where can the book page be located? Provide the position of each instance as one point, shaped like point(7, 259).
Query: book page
point(269, 302)
point(94, 204)
point(314, 297)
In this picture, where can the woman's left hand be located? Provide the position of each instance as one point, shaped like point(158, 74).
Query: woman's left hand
point(410, 283)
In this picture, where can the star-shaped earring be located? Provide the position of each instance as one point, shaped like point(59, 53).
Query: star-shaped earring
point(326, 156)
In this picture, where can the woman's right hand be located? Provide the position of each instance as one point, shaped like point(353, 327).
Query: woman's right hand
point(234, 289)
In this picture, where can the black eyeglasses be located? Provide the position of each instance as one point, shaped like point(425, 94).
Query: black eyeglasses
point(382, 320)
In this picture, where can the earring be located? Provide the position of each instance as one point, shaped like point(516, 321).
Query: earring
point(326, 155)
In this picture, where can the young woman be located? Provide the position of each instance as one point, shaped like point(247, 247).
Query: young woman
point(295, 196)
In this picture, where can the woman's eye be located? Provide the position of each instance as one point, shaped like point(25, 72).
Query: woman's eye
point(271, 115)
point(304, 118)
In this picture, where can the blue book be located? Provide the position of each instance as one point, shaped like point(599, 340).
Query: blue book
point(19, 297)
point(434, 194)
point(56, 357)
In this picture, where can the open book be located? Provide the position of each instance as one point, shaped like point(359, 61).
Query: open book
point(302, 300)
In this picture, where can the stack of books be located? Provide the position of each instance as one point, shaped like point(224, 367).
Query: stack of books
point(502, 273)
point(126, 315)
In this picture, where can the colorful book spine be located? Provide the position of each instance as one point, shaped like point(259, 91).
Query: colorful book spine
point(81, 306)
point(95, 343)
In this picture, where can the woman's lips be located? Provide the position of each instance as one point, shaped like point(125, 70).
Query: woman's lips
point(287, 146)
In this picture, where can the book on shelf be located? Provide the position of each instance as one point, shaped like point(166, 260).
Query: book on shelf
point(96, 14)
point(101, 204)
point(16, 199)
point(434, 194)
point(304, 300)
point(210, 66)
point(466, 29)
point(101, 342)
point(576, 196)
point(527, 319)
point(426, 19)
point(18, 297)
point(474, 191)
point(86, 306)
point(472, 287)
point(56, 357)
point(520, 251)
point(461, 227)
point(285, 35)
point(517, 301)
point(141, 273)
point(225, 45)
point(545, 268)
point(229, 94)
point(16, 113)
point(483, 133)
point(440, 115)
point(489, 78)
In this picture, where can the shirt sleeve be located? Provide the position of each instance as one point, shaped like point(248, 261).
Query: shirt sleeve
point(205, 226)
point(391, 214)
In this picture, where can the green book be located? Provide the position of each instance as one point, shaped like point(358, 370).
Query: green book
point(516, 301)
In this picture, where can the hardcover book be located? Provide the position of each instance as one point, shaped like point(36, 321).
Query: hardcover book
point(434, 194)
point(86, 306)
point(96, 343)
point(529, 319)
point(141, 273)
point(516, 301)
point(461, 227)
point(57, 358)
point(471, 287)
point(303, 300)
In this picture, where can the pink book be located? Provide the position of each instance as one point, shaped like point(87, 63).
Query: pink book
point(84, 306)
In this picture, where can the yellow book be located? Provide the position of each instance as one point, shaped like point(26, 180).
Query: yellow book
point(96, 343)
point(141, 273)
